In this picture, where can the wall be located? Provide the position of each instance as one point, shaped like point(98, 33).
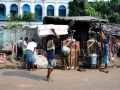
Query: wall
point(8, 36)
point(29, 24)
point(33, 3)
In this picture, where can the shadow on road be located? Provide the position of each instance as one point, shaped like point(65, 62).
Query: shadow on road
point(24, 74)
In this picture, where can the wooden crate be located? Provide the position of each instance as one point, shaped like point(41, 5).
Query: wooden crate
point(96, 47)
point(74, 52)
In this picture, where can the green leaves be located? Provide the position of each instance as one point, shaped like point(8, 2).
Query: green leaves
point(109, 10)
point(28, 16)
point(10, 26)
point(81, 8)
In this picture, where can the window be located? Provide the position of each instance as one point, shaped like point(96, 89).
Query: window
point(2, 11)
point(62, 10)
point(14, 10)
point(38, 10)
point(26, 8)
point(50, 10)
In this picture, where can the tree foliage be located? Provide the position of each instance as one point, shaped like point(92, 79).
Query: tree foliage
point(28, 16)
point(109, 10)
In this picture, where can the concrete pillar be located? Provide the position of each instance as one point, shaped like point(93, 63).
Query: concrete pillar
point(56, 10)
point(19, 8)
point(44, 11)
point(32, 7)
point(7, 9)
point(67, 10)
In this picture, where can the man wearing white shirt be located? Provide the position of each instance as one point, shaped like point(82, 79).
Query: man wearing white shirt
point(30, 59)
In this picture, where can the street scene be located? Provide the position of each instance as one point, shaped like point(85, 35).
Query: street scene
point(59, 44)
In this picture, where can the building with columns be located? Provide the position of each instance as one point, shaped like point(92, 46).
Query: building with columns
point(41, 7)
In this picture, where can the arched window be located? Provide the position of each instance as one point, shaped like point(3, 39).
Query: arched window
point(50, 10)
point(62, 10)
point(2, 11)
point(38, 10)
point(26, 8)
point(13, 10)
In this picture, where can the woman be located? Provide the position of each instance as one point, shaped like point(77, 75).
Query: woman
point(106, 54)
point(30, 59)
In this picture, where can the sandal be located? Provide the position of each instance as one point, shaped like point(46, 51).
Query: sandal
point(33, 70)
point(49, 80)
point(106, 71)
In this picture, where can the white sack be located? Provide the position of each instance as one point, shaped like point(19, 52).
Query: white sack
point(41, 61)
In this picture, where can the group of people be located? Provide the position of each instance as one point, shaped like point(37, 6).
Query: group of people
point(93, 57)
point(21, 47)
point(65, 52)
point(26, 51)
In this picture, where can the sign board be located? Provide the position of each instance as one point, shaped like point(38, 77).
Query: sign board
point(44, 30)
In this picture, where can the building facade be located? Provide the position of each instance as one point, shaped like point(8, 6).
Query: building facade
point(41, 7)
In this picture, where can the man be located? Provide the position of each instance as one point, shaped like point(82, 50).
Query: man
point(64, 56)
point(93, 59)
point(51, 54)
point(30, 59)
point(19, 48)
point(24, 46)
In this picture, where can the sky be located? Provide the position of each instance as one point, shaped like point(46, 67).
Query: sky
point(98, 0)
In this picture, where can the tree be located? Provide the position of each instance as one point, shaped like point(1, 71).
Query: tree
point(81, 8)
point(115, 18)
point(28, 16)
point(90, 11)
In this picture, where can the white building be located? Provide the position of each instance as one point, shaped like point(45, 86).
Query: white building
point(42, 7)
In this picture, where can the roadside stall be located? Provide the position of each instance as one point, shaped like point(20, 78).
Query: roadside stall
point(89, 32)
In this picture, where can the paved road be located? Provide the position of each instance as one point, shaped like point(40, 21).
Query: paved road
point(13, 79)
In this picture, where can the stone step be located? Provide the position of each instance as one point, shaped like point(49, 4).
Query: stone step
point(2, 66)
point(10, 65)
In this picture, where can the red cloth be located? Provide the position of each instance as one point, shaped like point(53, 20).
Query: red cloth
point(2, 57)
point(118, 42)
point(111, 47)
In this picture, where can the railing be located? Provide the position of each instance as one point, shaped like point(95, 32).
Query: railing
point(41, 52)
